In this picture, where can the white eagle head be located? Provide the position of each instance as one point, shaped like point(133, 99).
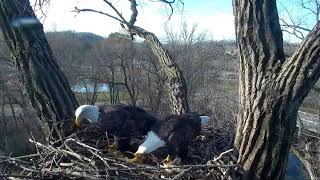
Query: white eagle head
point(88, 113)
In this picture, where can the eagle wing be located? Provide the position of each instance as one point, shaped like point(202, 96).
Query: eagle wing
point(112, 118)
point(188, 125)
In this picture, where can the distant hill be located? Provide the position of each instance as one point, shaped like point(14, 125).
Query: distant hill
point(71, 46)
point(86, 38)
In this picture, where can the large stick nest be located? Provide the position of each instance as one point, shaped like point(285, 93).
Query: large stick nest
point(84, 155)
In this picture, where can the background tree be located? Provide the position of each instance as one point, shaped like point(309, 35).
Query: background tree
point(193, 55)
point(125, 58)
point(153, 83)
point(114, 62)
point(271, 88)
point(105, 69)
point(40, 77)
point(178, 89)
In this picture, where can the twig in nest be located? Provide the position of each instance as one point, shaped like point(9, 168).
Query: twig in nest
point(78, 156)
point(182, 173)
point(162, 167)
point(22, 176)
point(91, 149)
point(69, 173)
point(223, 153)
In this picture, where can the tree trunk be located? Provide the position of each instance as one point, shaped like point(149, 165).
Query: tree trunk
point(177, 84)
point(271, 88)
point(41, 79)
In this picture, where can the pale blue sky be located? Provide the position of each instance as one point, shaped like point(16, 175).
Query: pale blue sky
point(215, 17)
point(211, 16)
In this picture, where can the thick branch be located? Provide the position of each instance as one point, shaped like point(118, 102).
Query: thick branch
point(304, 66)
point(175, 76)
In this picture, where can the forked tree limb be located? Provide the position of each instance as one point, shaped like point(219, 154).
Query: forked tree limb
point(272, 88)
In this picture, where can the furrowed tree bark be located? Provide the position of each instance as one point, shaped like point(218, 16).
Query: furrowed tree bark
point(41, 78)
point(271, 88)
point(177, 84)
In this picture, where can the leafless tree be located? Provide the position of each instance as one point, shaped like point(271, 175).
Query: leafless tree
point(178, 90)
point(193, 54)
point(116, 64)
point(107, 73)
point(152, 84)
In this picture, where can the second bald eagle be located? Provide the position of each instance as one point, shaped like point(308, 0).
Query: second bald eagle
point(176, 132)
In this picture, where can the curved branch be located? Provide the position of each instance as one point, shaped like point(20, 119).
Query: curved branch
point(175, 76)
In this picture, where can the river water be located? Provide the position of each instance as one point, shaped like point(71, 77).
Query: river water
point(89, 88)
point(295, 169)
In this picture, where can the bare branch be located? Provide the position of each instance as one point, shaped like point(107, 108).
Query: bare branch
point(116, 11)
point(298, 27)
point(41, 5)
point(77, 10)
point(314, 10)
point(222, 154)
point(295, 33)
point(170, 3)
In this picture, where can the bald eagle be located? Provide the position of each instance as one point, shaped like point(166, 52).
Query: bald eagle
point(176, 132)
point(121, 121)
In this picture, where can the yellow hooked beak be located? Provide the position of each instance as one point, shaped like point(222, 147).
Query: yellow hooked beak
point(77, 122)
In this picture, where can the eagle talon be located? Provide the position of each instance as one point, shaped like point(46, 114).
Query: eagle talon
point(168, 160)
point(138, 158)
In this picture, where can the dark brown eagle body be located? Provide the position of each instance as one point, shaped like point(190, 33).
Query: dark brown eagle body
point(124, 122)
point(178, 131)
point(175, 132)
